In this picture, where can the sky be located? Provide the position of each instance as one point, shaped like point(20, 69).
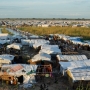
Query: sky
point(45, 9)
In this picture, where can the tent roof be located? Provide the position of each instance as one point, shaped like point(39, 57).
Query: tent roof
point(6, 57)
point(4, 34)
point(41, 56)
point(75, 64)
point(71, 57)
point(50, 49)
point(15, 46)
point(4, 41)
point(18, 68)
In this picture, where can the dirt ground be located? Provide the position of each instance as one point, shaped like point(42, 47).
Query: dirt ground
point(61, 84)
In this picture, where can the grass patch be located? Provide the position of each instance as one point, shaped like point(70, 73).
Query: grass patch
point(71, 31)
point(6, 31)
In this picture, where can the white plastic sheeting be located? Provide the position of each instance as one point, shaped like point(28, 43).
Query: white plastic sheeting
point(6, 58)
point(80, 74)
point(71, 57)
point(34, 42)
point(34, 36)
point(4, 36)
point(38, 42)
point(26, 68)
point(4, 41)
point(5, 61)
point(27, 78)
point(25, 41)
point(74, 64)
point(36, 45)
point(41, 56)
point(15, 46)
point(50, 49)
point(17, 36)
point(46, 51)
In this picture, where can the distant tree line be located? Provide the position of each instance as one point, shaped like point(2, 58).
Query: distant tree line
point(44, 19)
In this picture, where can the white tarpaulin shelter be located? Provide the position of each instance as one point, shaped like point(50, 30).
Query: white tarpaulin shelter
point(6, 58)
point(50, 49)
point(36, 45)
point(4, 41)
point(34, 42)
point(14, 46)
point(28, 72)
point(25, 41)
point(17, 36)
point(4, 36)
point(38, 42)
point(34, 36)
point(73, 64)
point(41, 56)
point(79, 74)
point(20, 69)
point(71, 57)
point(65, 65)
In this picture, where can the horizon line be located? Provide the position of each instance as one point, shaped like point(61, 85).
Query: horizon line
point(51, 18)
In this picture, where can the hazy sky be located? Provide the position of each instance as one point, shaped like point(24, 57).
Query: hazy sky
point(45, 9)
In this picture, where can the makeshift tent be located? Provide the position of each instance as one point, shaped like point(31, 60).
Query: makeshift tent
point(4, 36)
point(81, 75)
point(71, 57)
point(41, 56)
point(14, 46)
point(38, 42)
point(17, 37)
point(4, 41)
point(50, 49)
point(64, 66)
point(24, 72)
point(25, 41)
point(6, 58)
point(33, 36)
point(20, 69)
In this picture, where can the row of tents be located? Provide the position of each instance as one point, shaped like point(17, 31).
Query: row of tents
point(71, 66)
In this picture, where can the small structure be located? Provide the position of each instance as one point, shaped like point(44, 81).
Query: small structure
point(78, 72)
point(41, 56)
point(25, 73)
point(14, 46)
point(4, 36)
point(71, 57)
point(6, 58)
